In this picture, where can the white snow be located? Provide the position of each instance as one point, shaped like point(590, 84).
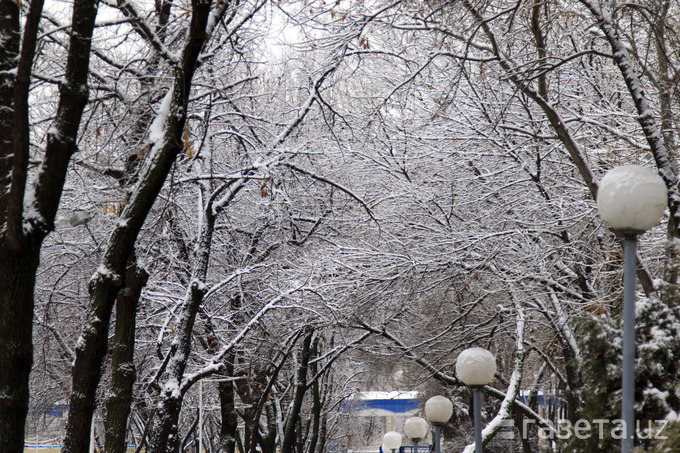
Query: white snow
point(171, 388)
point(157, 129)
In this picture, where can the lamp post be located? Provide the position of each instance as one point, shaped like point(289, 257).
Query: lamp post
point(391, 442)
point(438, 411)
point(631, 199)
point(415, 429)
point(476, 367)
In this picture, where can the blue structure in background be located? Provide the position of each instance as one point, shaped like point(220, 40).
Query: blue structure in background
point(381, 404)
point(57, 410)
point(543, 400)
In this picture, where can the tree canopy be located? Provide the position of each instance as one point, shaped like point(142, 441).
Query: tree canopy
point(286, 203)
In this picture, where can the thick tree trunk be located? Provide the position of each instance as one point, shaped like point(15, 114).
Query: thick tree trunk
point(22, 231)
point(267, 442)
point(288, 441)
point(323, 433)
point(17, 280)
point(90, 350)
point(123, 369)
point(9, 54)
point(16, 277)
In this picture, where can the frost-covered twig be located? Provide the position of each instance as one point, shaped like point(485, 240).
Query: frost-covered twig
point(217, 362)
point(334, 184)
point(144, 29)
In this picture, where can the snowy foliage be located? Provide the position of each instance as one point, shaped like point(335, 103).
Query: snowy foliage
point(342, 197)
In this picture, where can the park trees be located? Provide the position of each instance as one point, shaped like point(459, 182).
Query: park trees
point(28, 205)
point(405, 180)
point(540, 89)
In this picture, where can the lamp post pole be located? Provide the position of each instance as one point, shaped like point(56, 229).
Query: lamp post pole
point(477, 408)
point(628, 376)
point(437, 438)
point(631, 199)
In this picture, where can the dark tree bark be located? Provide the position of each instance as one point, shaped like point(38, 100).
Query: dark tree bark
point(228, 414)
point(288, 441)
point(22, 231)
point(323, 433)
point(316, 399)
point(9, 55)
point(17, 280)
point(123, 374)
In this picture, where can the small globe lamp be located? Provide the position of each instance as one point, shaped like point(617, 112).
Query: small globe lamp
point(438, 411)
point(415, 429)
point(391, 442)
point(476, 368)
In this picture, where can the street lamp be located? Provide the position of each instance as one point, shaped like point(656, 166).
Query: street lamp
point(415, 429)
point(438, 411)
point(476, 367)
point(631, 199)
point(391, 442)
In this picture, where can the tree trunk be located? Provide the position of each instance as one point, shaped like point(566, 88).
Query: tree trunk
point(228, 410)
point(17, 280)
point(323, 433)
point(288, 442)
point(163, 434)
point(9, 54)
point(123, 369)
point(316, 402)
point(107, 281)
point(23, 230)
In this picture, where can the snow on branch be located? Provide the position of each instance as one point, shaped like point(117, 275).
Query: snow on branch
point(268, 158)
point(549, 109)
point(142, 27)
point(157, 128)
point(331, 356)
point(334, 184)
point(237, 273)
point(217, 362)
point(563, 325)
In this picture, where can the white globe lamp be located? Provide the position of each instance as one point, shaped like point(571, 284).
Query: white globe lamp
point(438, 411)
point(391, 441)
point(632, 198)
point(415, 428)
point(476, 367)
